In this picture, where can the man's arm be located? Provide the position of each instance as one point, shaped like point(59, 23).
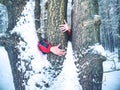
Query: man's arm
point(46, 47)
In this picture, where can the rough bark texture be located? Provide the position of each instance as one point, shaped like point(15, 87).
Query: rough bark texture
point(37, 14)
point(10, 45)
point(56, 15)
point(85, 32)
point(11, 40)
point(90, 71)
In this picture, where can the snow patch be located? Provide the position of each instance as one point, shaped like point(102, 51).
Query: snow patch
point(6, 78)
point(67, 80)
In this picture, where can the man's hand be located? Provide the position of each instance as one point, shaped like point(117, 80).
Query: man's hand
point(64, 27)
point(56, 50)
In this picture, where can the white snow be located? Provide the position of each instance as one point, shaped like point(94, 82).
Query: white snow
point(111, 81)
point(6, 78)
point(67, 80)
point(97, 48)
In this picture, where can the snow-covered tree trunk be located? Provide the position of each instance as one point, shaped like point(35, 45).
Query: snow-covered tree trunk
point(9, 41)
point(13, 57)
point(56, 15)
point(85, 32)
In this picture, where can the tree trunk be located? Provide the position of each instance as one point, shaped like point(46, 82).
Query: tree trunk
point(85, 32)
point(56, 15)
point(37, 14)
point(10, 41)
point(90, 71)
point(13, 57)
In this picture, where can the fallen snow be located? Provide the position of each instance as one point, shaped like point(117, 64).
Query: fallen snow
point(111, 81)
point(6, 78)
point(67, 80)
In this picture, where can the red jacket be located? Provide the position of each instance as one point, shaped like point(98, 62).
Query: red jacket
point(69, 33)
point(44, 46)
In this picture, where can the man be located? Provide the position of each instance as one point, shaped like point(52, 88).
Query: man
point(46, 47)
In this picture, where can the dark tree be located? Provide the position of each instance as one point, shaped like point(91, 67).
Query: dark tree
point(56, 15)
point(85, 32)
point(37, 14)
point(9, 41)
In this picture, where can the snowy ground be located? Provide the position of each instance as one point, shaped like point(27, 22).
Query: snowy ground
point(111, 76)
point(6, 79)
point(111, 81)
point(67, 80)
